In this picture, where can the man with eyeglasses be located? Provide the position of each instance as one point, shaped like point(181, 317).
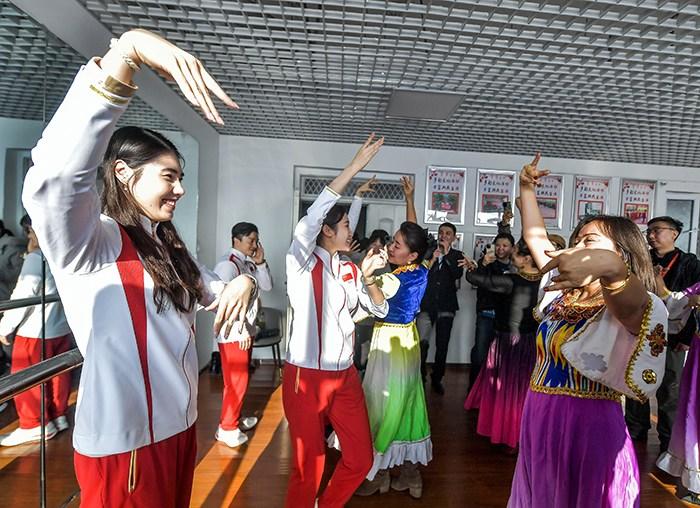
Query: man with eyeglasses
point(679, 270)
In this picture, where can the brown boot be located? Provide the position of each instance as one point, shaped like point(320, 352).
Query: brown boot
point(380, 483)
point(409, 479)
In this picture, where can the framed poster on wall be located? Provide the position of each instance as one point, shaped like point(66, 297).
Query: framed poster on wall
point(591, 197)
point(637, 198)
point(480, 244)
point(494, 189)
point(444, 195)
point(550, 200)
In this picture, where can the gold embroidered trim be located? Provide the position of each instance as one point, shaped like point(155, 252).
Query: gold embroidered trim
point(565, 390)
point(405, 268)
point(657, 340)
point(332, 192)
point(643, 331)
point(393, 325)
point(114, 100)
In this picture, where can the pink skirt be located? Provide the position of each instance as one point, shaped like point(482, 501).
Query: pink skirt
point(500, 389)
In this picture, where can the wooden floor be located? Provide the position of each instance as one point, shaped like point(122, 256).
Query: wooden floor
point(466, 470)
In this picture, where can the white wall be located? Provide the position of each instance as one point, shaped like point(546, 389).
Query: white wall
point(19, 134)
point(256, 184)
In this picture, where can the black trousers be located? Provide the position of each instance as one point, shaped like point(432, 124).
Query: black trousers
point(442, 322)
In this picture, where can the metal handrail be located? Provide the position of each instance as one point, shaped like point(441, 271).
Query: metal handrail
point(27, 302)
point(39, 373)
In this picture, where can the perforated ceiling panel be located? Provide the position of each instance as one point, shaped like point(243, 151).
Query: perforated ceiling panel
point(30, 62)
point(611, 79)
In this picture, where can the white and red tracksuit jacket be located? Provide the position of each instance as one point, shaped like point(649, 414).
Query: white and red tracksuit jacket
point(324, 293)
point(139, 379)
point(27, 321)
point(231, 265)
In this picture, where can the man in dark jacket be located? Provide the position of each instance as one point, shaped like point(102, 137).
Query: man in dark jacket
point(680, 270)
point(439, 303)
point(496, 261)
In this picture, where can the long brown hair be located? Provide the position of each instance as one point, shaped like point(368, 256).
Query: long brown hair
point(630, 243)
point(175, 275)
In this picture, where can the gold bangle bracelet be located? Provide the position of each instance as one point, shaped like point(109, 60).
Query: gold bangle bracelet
point(617, 289)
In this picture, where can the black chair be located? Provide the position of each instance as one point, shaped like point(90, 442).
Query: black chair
point(271, 324)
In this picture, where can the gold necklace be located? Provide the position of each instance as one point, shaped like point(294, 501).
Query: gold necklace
point(531, 276)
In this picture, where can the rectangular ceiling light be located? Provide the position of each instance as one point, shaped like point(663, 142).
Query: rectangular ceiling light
point(421, 105)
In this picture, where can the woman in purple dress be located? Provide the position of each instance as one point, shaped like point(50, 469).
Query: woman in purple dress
point(601, 335)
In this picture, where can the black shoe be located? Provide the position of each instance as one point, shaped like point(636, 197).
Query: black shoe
point(438, 388)
point(215, 363)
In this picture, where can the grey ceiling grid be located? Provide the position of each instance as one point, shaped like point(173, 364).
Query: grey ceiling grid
point(605, 80)
point(26, 55)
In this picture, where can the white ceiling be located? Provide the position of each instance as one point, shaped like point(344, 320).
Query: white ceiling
point(613, 80)
point(31, 62)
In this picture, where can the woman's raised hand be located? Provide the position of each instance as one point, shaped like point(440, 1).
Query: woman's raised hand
point(580, 267)
point(530, 175)
point(173, 63)
point(408, 187)
point(366, 187)
point(366, 153)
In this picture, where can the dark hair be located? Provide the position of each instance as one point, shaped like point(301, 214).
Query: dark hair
point(4, 231)
point(242, 229)
point(507, 236)
point(334, 216)
point(25, 223)
point(381, 235)
point(629, 242)
point(675, 223)
point(522, 248)
point(448, 225)
point(176, 277)
point(416, 239)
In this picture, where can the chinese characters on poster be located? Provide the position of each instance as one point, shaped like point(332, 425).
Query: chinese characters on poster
point(591, 196)
point(494, 190)
point(444, 200)
point(638, 200)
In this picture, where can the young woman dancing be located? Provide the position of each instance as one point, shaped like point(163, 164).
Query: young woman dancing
point(128, 285)
point(502, 384)
point(393, 385)
point(320, 384)
point(601, 335)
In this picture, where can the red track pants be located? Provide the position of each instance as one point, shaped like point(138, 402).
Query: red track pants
point(234, 367)
point(155, 475)
point(26, 351)
point(312, 398)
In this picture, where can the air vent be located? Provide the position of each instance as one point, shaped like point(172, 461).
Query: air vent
point(420, 105)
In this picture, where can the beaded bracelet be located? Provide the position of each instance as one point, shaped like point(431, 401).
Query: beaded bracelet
point(127, 59)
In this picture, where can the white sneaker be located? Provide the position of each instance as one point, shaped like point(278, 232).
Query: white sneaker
point(22, 436)
point(61, 423)
point(248, 422)
point(231, 438)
